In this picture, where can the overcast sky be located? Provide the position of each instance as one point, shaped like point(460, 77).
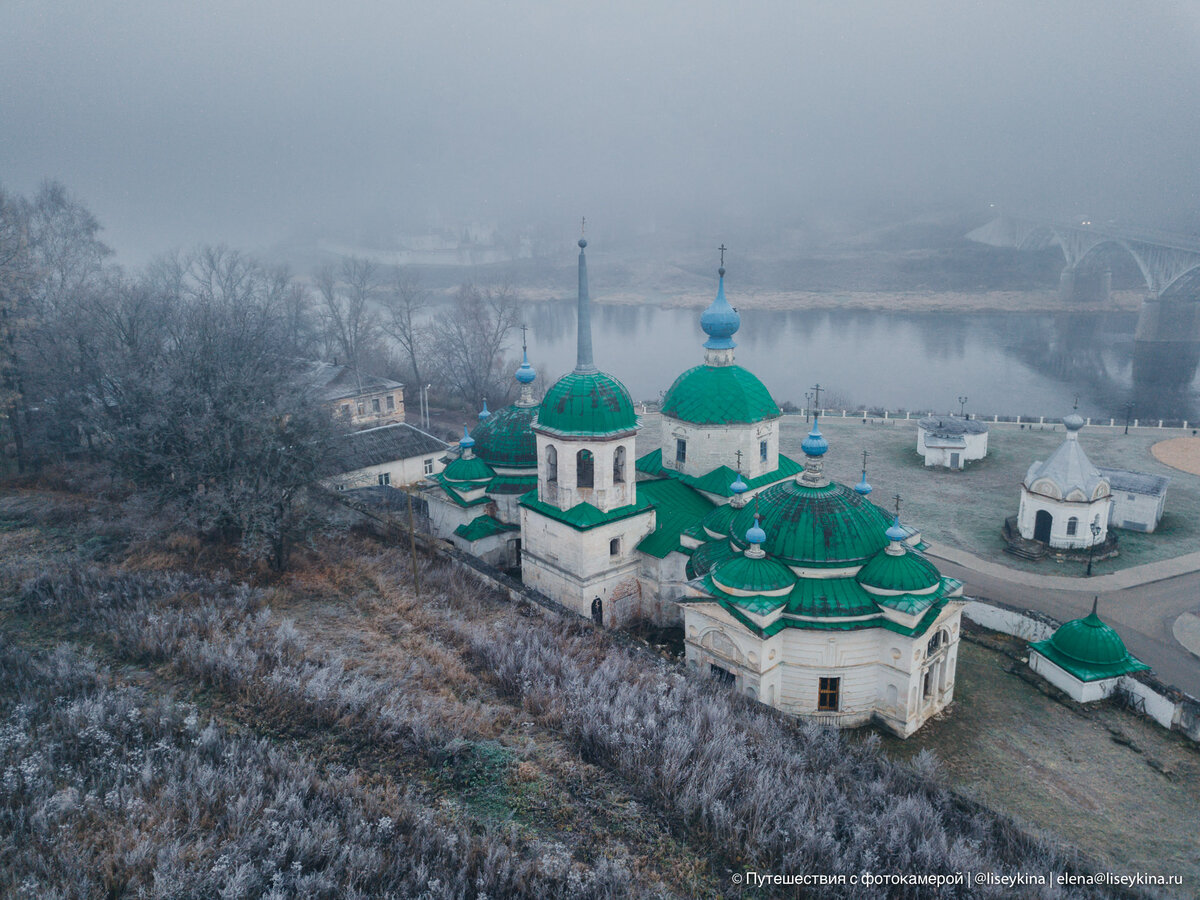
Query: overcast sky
point(249, 122)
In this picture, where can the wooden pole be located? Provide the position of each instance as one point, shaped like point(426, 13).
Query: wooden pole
point(412, 541)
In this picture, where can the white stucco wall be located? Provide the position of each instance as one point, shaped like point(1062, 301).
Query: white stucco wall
point(974, 447)
point(711, 446)
point(1136, 512)
point(402, 472)
point(1080, 691)
point(1062, 511)
point(605, 493)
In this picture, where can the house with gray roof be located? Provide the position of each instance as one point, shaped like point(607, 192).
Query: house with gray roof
point(1138, 499)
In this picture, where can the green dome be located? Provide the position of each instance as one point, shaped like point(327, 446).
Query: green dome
point(754, 576)
point(830, 526)
point(717, 521)
point(707, 556)
point(593, 404)
point(719, 395)
point(473, 469)
point(1090, 641)
point(505, 438)
point(908, 572)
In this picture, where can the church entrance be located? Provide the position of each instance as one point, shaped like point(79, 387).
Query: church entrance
point(598, 612)
point(1041, 526)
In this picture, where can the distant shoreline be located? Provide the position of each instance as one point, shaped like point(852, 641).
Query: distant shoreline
point(872, 301)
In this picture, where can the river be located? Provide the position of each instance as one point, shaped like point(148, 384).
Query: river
point(1004, 363)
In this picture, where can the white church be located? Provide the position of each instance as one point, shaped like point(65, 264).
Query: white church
point(797, 591)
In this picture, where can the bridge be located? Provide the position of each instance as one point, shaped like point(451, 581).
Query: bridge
point(1167, 339)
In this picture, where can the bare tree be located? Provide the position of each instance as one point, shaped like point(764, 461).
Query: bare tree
point(348, 306)
point(406, 305)
point(468, 341)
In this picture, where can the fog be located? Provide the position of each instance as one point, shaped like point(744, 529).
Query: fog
point(256, 124)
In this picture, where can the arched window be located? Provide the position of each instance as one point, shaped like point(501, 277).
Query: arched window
point(584, 465)
point(1072, 525)
point(619, 465)
point(551, 464)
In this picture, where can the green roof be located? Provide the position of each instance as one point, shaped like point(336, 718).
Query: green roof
point(830, 598)
point(717, 481)
point(830, 526)
point(453, 491)
point(677, 508)
point(512, 484)
point(505, 438)
point(1089, 649)
point(583, 516)
point(473, 469)
point(481, 527)
point(595, 404)
point(707, 556)
point(907, 571)
point(719, 395)
point(754, 576)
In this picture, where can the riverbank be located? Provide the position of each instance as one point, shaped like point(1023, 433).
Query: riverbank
point(1046, 301)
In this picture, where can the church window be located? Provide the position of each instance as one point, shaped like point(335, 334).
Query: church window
point(935, 643)
point(722, 675)
point(829, 692)
point(551, 464)
point(584, 468)
point(762, 450)
point(391, 402)
point(619, 465)
point(680, 450)
point(362, 408)
point(429, 467)
point(385, 477)
point(1072, 525)
point(614, 547)
point(375, 405)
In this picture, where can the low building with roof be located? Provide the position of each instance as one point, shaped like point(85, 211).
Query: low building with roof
point(359, 399)
point(951, 441)
point(1065, 500)
point(1138, 499)
point(393, 455)
point(1086, 658)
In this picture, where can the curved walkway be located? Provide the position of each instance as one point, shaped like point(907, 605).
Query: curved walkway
point(1097, 584)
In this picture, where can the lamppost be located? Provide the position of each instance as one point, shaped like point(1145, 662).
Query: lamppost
point(962, 405)
point(1095, 529)
point(1128, 415)
point(807, 402)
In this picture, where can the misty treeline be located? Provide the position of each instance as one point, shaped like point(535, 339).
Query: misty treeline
point(760, 792)
point(188, 378)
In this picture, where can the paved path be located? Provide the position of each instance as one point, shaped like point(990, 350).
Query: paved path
point(1143, 603)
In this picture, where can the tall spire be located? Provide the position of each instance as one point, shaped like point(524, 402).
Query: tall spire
point(720, 322)
point(583, 358)
point(525, 374)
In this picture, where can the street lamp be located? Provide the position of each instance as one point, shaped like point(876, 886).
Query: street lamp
point(1128, 415)
point(962, 405)
point(807, 402)
point(1095, 529)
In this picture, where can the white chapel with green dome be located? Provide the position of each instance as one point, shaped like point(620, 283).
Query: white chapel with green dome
point(799, 592)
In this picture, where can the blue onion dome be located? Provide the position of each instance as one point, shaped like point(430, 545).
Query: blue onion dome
point(484, 413)
point(755, 534)
point(466, 442)
point(739, 486)
point(896, 532)
point(862, 487)
point(582, 243)
point(815, 444)
point(720, 321)
point(525, 374)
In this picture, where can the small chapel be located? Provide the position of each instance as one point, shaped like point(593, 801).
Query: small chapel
point(797, 591)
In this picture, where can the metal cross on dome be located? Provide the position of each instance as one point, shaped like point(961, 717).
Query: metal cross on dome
point(582, 226)
point(524, 328)
point(897, 499)
point(817, 395)
point(739, 461)
point(722, 249)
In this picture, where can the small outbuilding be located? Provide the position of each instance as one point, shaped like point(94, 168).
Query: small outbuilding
point(1086, 658)
point(1065, 500)
point(392, 455)
point(951, 441)
point(1138, 499)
